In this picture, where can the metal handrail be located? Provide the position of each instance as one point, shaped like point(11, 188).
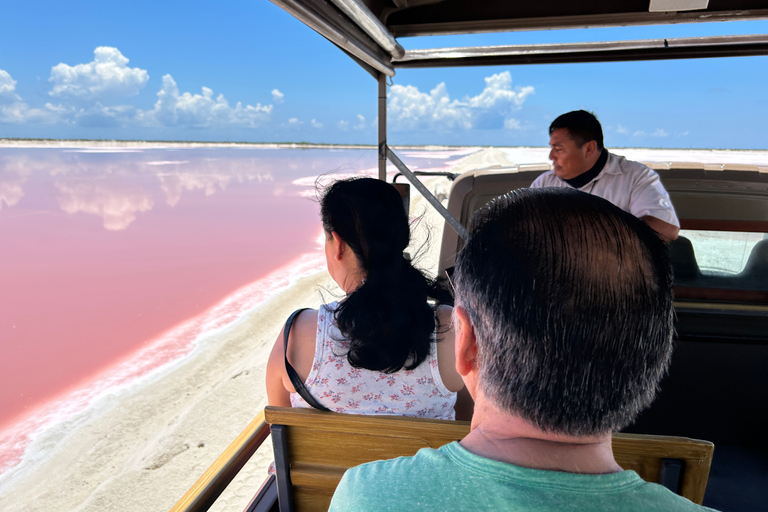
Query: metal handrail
point(431, 199)
point(212, 483)
point(450, 175)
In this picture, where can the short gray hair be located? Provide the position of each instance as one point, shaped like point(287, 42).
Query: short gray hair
point(571, 301)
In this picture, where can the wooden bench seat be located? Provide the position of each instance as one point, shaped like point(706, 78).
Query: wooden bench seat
point(314, 448)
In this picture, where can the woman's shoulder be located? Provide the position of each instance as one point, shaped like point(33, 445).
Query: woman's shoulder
point(303, 329)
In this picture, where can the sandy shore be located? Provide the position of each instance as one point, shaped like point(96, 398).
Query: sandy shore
point(143, 451)
point(153, 443)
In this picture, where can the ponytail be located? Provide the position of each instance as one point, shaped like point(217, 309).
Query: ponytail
point(388, 320)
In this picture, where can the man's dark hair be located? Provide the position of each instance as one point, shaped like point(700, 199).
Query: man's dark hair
point(571, 302)
point(582, 126)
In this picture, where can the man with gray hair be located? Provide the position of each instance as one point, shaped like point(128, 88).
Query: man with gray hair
point(563, 324)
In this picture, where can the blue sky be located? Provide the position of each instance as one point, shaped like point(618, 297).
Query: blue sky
point(247, 71)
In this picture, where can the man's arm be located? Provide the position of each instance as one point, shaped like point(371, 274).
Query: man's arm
point(667, 231)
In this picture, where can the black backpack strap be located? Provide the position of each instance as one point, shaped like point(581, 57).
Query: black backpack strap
point(298, 385)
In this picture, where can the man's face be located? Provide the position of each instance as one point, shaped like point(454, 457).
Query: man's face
point(568, 159)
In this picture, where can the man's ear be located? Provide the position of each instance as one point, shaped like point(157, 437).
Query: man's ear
point(590, 148)
point(466, 343)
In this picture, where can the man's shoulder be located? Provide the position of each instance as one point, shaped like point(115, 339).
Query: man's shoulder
point(618, 164)
point(654, 496)
point(426, 459)
point(361, 487)
point(546, 179)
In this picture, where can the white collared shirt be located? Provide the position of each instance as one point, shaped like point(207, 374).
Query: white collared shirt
point(631, 186)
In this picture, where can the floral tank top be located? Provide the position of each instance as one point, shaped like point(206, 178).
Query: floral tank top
point(333, 382)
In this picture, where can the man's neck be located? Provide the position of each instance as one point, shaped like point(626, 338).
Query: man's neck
point(591, 173)
point(508, 438)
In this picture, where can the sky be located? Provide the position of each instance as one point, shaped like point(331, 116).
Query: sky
point(246, 71)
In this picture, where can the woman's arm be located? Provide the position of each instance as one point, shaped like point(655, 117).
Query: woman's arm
point(277, 394)
point(301, 353)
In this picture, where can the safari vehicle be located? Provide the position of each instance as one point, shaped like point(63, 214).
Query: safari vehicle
point(717, 387)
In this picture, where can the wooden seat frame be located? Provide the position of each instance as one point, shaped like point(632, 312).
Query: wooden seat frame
point(314, 448)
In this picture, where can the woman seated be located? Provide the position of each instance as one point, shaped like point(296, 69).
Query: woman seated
point(387, 347)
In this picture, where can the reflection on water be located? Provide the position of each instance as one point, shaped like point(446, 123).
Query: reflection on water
point(116, 205)
point(103, 250)
point(13, 174)
point(112, 187)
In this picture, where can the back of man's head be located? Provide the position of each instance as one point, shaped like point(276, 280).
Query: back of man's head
point(582, 126)
point(571, 302)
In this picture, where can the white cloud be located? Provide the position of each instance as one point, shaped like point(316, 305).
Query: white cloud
point(343, 125)
point(498, 90)
point(316, 124)
point(201, 110)
point(620, 129)
point(106, 78)
point(512, 124)
point(683, 134)
point(360, 123)
point(410, 108)
point(659, 132)
point(93, 95)
point(294, 122)
point(7, 87)
point(14, 110)
point(19, 112)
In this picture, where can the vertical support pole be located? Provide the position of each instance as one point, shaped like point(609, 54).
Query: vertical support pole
point(282, 468)
point(382, 126)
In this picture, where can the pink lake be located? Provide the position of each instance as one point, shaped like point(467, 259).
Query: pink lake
point(103, 251)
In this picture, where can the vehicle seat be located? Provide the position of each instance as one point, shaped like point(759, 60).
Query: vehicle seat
point(683, 260)
point(755, 272)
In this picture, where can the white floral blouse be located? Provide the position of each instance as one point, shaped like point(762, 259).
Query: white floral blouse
point(333, 382)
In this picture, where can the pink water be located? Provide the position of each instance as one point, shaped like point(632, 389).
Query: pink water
point(116, 257)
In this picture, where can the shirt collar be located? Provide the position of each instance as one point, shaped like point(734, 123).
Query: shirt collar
point(585, 177)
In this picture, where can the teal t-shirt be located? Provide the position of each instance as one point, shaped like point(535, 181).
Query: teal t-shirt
point(454, 479)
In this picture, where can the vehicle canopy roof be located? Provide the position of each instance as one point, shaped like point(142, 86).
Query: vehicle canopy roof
point(367, 29)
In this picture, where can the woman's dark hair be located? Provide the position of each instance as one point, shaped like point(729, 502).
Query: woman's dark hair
point(388, 320)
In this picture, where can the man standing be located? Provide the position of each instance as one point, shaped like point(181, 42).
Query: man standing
point(580, 161)
point(563, 323)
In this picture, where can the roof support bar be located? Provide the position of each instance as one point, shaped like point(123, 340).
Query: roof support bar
point(610, 51)
point(303, 12)
point(365, 19)
point(382, 127)
point(449, 218)
point(551, 21)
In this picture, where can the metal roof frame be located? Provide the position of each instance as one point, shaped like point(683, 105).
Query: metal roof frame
point(366, 30)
